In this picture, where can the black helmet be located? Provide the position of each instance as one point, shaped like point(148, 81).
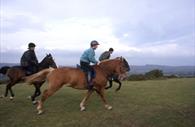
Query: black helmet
point(94, 42)
point(111, 49)
point(31, 45)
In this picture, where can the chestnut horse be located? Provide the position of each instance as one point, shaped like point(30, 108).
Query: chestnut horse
point(75, 78)
point(16, 73)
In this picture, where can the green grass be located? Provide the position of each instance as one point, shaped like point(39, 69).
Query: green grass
point(153, 103)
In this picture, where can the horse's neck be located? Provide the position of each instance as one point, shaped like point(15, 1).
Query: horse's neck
point(43, 65)
point(107, 68)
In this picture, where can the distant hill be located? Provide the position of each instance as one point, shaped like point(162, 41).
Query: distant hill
point(8, 64)
point(183, 71)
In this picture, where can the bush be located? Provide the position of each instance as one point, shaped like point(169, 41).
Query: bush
point(154, 74)
point(171, 76)
point(136, 77)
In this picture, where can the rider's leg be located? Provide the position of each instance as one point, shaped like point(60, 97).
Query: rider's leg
point(88, 71)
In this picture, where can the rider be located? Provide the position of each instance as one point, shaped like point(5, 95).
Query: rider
point(106, 55)
point(29, 60)
point(89, 57)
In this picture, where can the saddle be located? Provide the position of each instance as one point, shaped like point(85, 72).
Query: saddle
point(29, 71)
point(93, 73)
point(89, 76)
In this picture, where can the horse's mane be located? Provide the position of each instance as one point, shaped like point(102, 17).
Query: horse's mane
point(106, 60)
point(118, 58)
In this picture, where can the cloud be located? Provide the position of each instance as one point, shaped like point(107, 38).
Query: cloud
point(152, 29)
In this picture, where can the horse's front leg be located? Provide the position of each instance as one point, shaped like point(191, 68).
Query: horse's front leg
point(83, 102)
point(119, 87)
point(37, 92)
point(101, 93)
point(9, 88)
point(110, 84)
point(6, 90)
point(11, 92)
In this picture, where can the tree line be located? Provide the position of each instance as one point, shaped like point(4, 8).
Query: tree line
point(153, 74)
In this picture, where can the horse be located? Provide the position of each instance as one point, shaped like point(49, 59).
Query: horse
point(75, 78)
point(16, 74)
point(115, 78)
point(4, 69)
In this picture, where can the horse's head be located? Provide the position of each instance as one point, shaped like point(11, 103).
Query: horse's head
point(122, 68)
point(48, 61)
point(118, 66)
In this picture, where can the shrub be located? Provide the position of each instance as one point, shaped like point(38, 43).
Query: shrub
point(154, 74)
point(136, 77)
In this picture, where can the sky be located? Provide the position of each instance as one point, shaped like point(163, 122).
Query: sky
point(144, 32)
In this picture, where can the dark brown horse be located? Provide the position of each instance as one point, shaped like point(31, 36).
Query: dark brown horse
point(115, 78)
point(75, 78)
point(16, 73)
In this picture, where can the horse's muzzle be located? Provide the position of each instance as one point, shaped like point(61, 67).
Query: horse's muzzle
point(123, 76)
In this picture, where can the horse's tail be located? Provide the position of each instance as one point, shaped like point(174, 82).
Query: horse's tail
point(37, 77)
point(4, 69)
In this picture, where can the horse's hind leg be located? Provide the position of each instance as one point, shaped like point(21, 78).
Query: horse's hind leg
point(47, 93)
point(83, 102)
point(8, 88)
point(6, 92)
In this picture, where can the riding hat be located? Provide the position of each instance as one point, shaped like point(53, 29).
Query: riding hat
point(94, 42)
point(31, 44)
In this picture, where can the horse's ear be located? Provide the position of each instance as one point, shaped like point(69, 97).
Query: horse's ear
point(121, 58)
point(46, 54)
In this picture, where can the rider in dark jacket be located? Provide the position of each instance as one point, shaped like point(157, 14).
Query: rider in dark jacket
point(29, 60)
point(106, 55)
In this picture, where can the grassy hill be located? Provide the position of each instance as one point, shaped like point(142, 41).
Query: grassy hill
point(157, 103)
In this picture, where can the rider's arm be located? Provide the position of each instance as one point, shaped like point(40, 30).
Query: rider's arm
point(92, 57)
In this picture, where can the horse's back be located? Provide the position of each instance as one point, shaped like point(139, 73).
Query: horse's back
point(67, 75)
point(16, 71)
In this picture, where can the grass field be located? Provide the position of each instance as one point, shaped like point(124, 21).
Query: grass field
point(155, 103)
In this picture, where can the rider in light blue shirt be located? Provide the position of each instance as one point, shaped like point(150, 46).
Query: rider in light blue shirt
point(88, 57)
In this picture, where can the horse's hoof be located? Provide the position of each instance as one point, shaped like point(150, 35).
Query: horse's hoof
point(106, 88)
point(11, 98)
point(40, 112)
point(34, 102)
point(117, 90)
point(82, 109)
point(108, 107)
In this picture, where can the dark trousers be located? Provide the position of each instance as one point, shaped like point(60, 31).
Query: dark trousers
point(89, 72)
point(30, 69)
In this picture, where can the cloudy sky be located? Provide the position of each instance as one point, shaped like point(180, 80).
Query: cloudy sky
point(143, 31)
